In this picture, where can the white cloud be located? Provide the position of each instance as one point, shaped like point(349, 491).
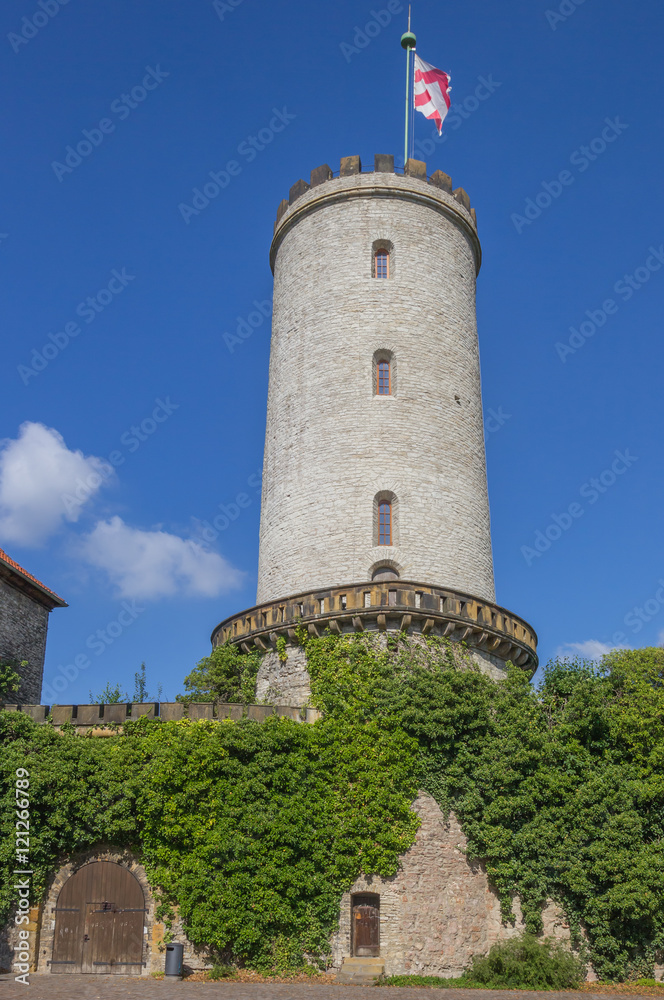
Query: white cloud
point(150, 564)
point(591, 649)
point(43, 484)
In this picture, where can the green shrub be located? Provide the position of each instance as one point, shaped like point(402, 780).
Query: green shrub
point(226, 675)
point(220, 971)
point(527, 963)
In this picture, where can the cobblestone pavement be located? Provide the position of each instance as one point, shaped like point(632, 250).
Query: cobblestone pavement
point(120, 988)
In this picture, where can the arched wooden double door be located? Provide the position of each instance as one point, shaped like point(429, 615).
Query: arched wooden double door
point(365, 924)
point(99, 920)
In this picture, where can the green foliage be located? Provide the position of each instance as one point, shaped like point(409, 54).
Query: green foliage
point(226, 675)
point(221, 971)
point(281, 649)
point(439, 982)
point(112, 694)
point(10, 680)
point(527, 963)
point(560, 791)
point(522, 963)
point(256, 830)
point(141, 693)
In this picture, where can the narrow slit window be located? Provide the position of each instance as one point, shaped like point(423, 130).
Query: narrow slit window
point(383, 387)
point(382, 264)
point(385, 524)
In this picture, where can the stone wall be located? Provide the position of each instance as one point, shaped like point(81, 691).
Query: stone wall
point(287, 682)
point(333, 445)
point(435, 913)
point(439, 909)
point(154, 951)
point(284, 682)
point(23, 626)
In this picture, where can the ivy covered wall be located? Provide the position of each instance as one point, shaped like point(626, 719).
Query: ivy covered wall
point(255, 830)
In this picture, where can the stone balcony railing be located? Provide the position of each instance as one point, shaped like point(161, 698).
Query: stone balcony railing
point(394, 605)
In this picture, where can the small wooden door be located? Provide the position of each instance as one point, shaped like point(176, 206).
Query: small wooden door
point(366, 925)
point(99, 919)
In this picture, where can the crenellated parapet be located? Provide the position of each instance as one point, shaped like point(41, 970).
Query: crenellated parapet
point(305, 194)
point(108, 720)
point(394, 606)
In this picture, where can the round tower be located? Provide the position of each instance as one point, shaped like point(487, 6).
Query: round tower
point(375, 510)
point(335, 444)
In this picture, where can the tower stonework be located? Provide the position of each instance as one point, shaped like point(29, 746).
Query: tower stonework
point(337, 448)
point(332, 442)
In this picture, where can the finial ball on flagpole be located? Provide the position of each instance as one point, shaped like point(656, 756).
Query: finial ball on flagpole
point(408, 40)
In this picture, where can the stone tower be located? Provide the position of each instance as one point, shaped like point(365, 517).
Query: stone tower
point(375, 511)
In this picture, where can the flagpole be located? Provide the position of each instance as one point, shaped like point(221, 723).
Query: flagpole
point(408, 41)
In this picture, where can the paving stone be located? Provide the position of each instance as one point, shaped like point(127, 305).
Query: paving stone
point(50, 987)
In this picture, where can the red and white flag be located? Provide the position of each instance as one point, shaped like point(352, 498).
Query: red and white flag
point(432, 92)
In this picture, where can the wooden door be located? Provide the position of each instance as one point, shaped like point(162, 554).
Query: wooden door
point(99, 919)
point(366, 925)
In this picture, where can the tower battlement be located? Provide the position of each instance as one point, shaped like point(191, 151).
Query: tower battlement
point(351, 166)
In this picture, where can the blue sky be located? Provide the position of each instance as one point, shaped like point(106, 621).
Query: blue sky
point(169, 92)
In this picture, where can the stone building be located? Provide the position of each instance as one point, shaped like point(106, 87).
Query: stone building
point(25, 604)
point(375, 518)
point(375, 511)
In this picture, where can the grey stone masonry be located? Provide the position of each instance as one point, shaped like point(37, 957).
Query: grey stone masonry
point(25, 604)
point(333, 445)
point(439, 909)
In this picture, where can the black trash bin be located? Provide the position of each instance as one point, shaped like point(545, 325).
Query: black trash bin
point(174, 960)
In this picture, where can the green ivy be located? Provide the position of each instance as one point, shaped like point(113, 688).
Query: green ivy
point(559, 791)
point(255, 830)
point(10, 679)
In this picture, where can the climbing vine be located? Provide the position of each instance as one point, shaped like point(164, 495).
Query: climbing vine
point(255, 830)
